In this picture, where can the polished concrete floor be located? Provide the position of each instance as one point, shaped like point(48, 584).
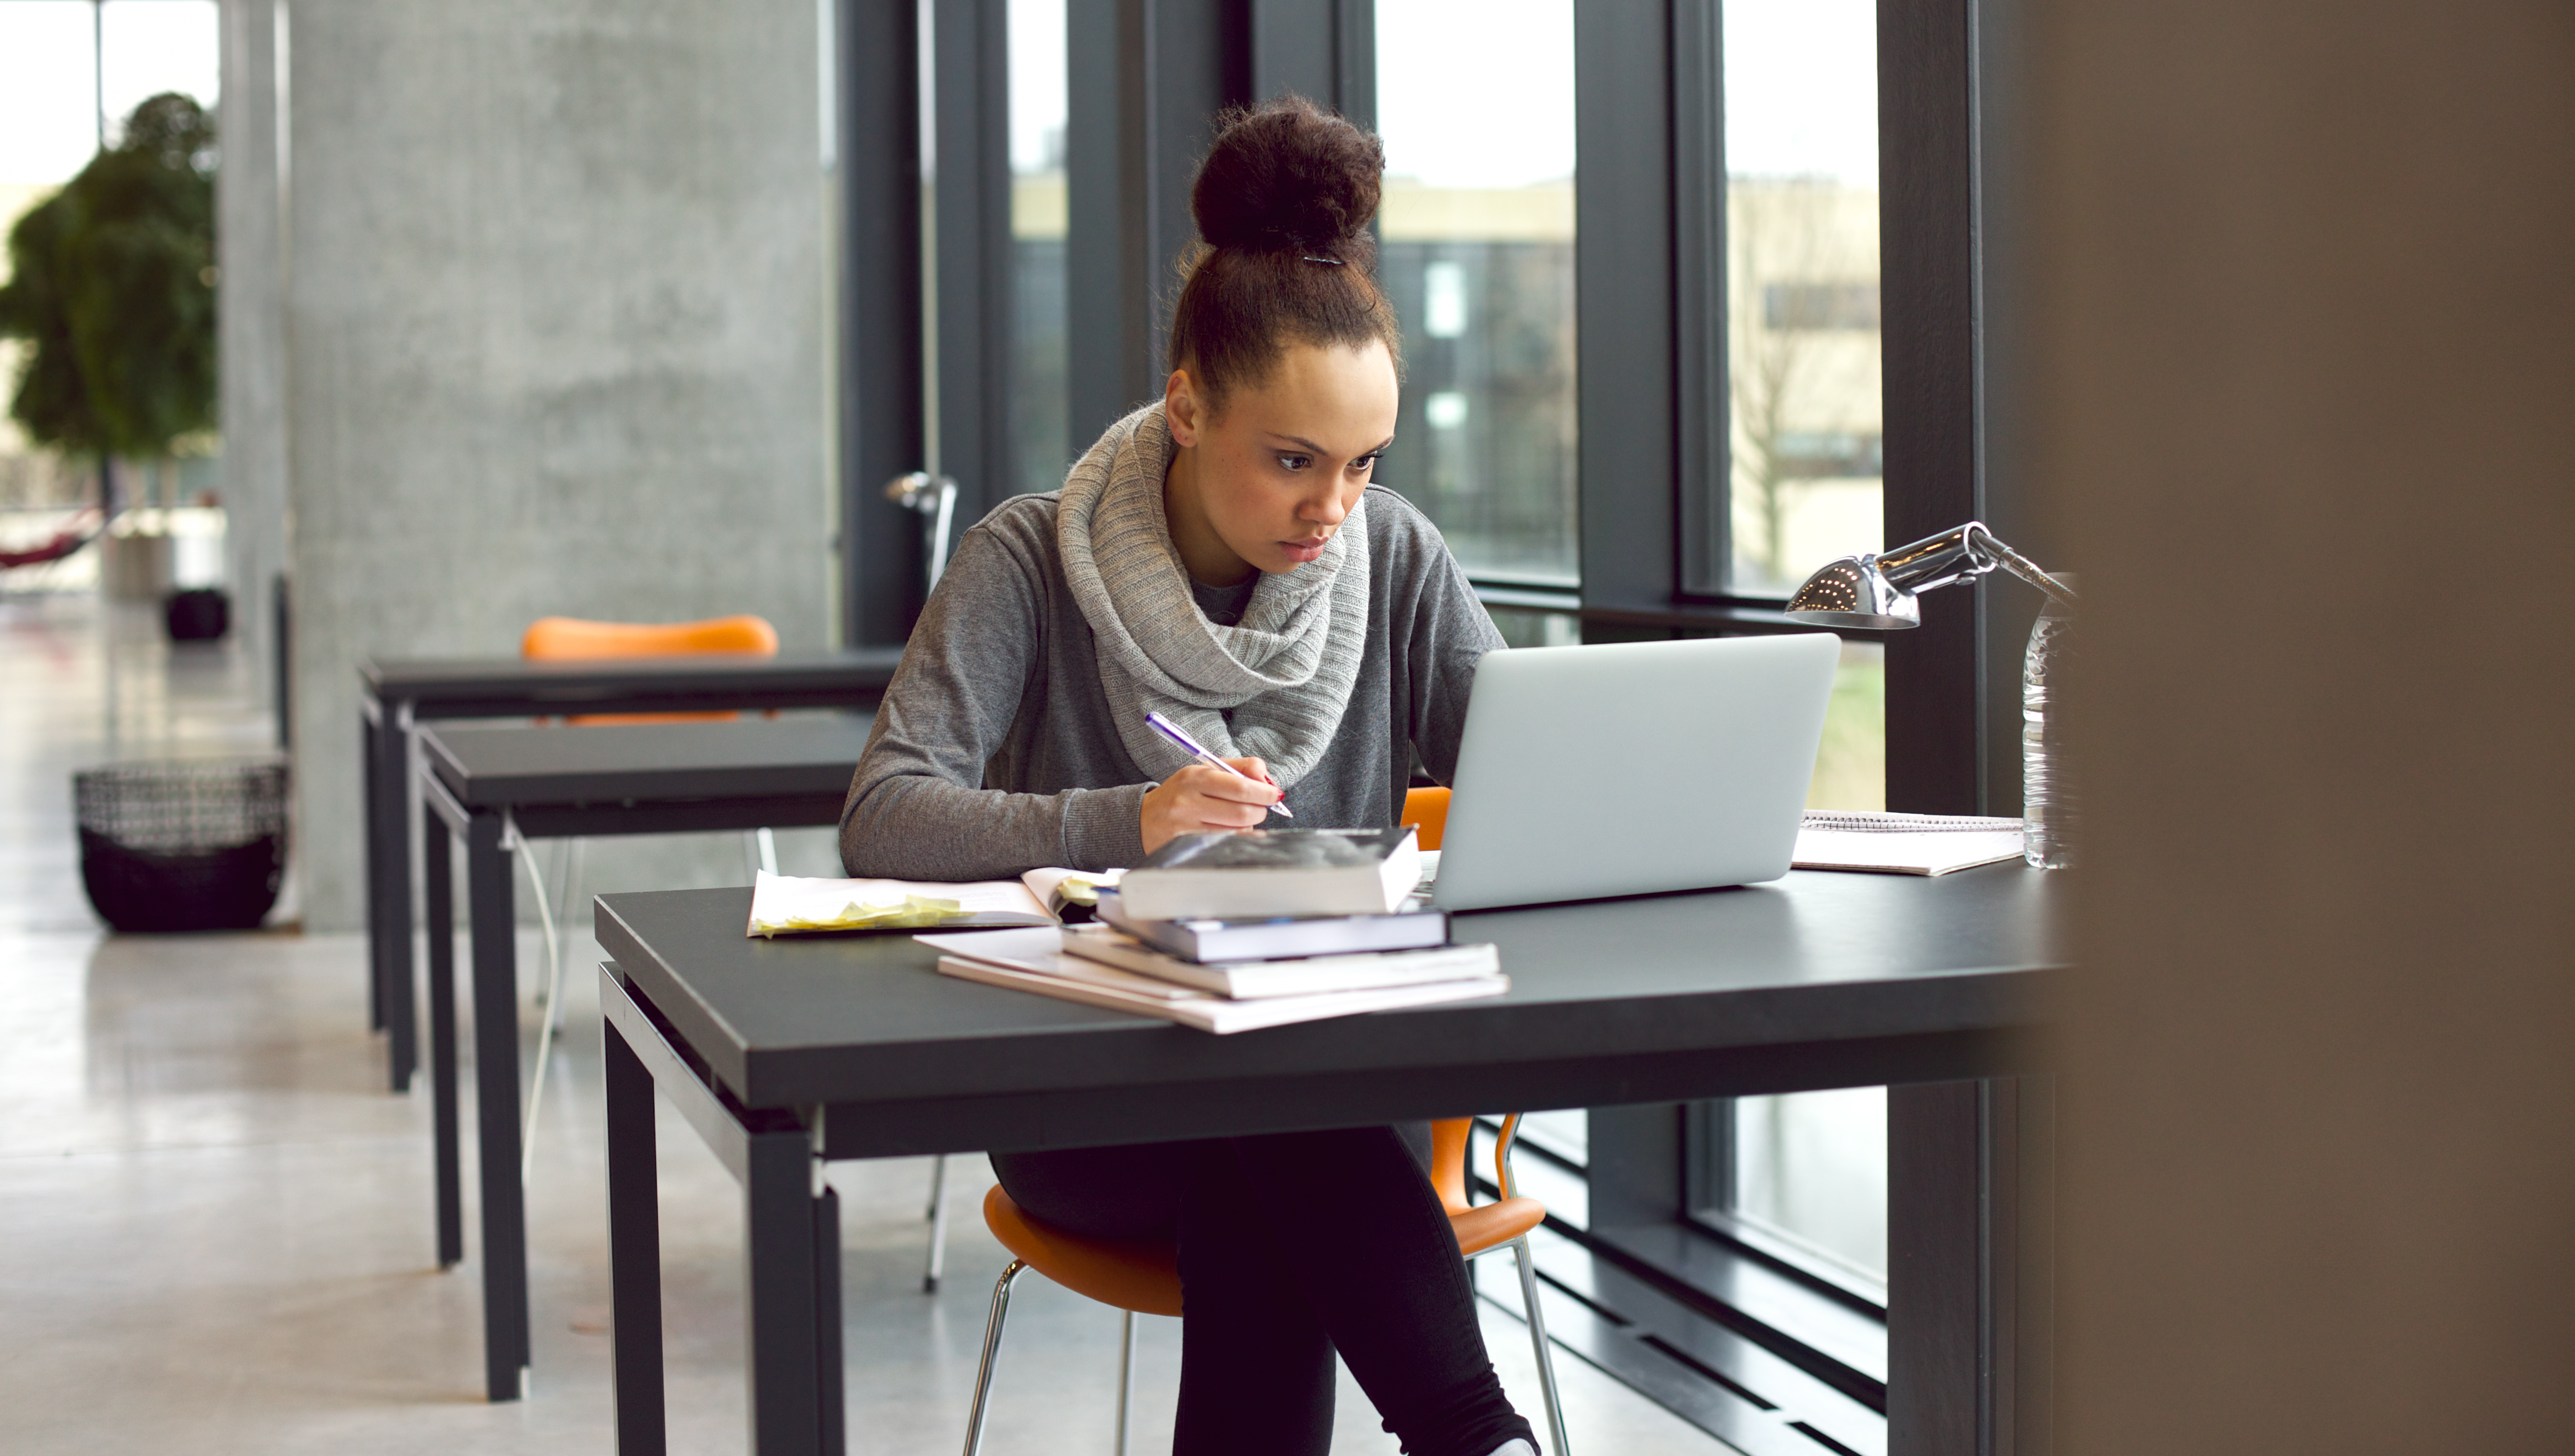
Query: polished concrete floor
point(215, 1223)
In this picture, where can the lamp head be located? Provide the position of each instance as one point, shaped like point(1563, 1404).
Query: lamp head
point(1854, 592)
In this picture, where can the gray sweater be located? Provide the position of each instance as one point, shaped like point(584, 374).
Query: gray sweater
point(993, 752)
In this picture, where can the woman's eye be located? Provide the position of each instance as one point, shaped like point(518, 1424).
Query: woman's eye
point(1295, 462)
point(1367, 464)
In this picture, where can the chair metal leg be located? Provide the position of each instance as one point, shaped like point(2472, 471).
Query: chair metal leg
point(765, 841)
point(1126, 1373)
point(992, 1353)
point(1537, 1342)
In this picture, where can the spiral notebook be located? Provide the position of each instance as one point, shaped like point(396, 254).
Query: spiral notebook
point(1901, 843)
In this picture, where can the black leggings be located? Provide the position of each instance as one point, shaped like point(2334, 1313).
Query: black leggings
point(1293, 1246)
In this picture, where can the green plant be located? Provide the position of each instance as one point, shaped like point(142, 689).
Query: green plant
point(112, 280)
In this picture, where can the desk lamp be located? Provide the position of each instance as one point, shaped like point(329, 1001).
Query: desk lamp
point(1878, 591)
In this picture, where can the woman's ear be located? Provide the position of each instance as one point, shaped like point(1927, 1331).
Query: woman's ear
point(1181, 410)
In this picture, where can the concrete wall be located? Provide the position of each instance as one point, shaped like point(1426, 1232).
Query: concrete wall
point(555, 338)
point(2303, 381)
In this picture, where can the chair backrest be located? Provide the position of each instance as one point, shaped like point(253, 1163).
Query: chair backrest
point(569, 638)
point(1448, 1156)
point(1427, 809)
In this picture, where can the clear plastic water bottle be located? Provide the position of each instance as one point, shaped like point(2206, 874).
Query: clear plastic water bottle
point(2050, 810)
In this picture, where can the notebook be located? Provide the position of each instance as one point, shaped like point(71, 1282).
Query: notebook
point(1032, 960)
point(1306, 975)
point(1902, 843)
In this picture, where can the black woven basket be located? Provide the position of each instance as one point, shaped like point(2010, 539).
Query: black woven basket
point(182, 846)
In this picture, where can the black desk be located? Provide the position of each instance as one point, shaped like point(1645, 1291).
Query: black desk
point(638, 778)
point(394, 696)
point(783, 1053)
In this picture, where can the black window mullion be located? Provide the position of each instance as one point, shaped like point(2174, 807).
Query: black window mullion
point(1147, 75)
point(1324, 50)
point(880, 383)
point(1705, 428)
point(1625, 304)
point(969, 50)
point(1935, 674)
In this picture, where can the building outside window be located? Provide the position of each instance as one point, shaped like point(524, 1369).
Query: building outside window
point(1475, 105)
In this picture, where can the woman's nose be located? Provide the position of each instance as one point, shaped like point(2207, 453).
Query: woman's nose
point(1326, 509)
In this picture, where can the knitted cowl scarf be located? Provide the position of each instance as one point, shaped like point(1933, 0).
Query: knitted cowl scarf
point(1272, 688)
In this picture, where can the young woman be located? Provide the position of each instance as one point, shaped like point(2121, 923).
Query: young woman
point(1220, 556)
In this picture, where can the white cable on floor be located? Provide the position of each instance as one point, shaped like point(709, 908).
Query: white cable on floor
point(526, 855)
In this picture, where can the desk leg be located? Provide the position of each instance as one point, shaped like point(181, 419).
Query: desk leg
point(496, 1094)
point(438, 854)
point(391, 846)
point(795, 1317)
point(634, 1252)
point(1966, 1201)
point(371, 794)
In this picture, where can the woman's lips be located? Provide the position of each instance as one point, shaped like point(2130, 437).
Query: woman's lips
point(1307, 550)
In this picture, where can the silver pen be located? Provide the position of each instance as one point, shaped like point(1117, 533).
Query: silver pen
point(1190, 746)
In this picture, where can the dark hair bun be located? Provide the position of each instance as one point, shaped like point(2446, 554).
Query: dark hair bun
point(1286, 176)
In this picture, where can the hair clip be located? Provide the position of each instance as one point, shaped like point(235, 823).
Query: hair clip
point(1336, 262)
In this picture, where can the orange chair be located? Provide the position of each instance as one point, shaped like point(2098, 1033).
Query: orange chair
point(1143, 1276)
point(1427, 809)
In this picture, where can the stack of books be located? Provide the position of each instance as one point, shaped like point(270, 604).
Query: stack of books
point(1232, 932)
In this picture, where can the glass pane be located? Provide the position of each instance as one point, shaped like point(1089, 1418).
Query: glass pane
point(1038, 86)
point(1475, 103)
point(1801, 286)
point(1851, 766)
point(1810, 1171)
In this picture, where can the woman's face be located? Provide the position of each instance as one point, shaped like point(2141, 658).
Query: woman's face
point(1270, 478)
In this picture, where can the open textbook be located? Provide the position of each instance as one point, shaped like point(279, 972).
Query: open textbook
point(1901, 843)
point(785, 904)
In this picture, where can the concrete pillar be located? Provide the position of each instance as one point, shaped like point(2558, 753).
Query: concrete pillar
point(250, 250)
point(2303, 380)
point(555, 334)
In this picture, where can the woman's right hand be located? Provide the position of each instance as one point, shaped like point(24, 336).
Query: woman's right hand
point(1199, 799)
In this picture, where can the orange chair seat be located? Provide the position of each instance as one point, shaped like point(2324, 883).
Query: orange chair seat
point(571, 638)
point(1141, 1274)
point(1145, 1274)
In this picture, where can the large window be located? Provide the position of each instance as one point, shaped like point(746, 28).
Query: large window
point(1475, 104)
point(1656, 375)
point(1801, 1177)
point(1040, 440)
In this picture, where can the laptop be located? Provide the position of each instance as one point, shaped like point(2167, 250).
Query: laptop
point(1633, 768)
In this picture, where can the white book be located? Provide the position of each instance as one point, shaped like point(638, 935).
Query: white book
point(787, 904)
point(1255, 872)
point(1033, 961)
point(1306, 975)
point(1902, 843)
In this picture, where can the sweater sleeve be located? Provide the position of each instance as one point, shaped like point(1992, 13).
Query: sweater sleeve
point(918, 808)
point(1451, 631)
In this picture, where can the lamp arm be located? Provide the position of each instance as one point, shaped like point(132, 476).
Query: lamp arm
point(1981, 540)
